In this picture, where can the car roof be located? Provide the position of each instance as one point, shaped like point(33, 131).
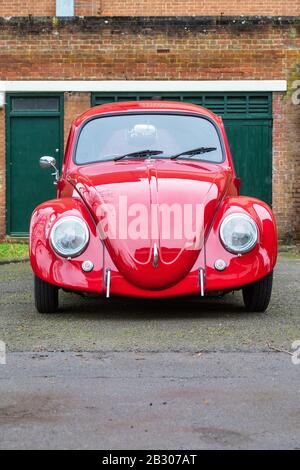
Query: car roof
point(147, 106)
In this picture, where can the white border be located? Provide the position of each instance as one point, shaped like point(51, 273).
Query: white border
point(141, 85)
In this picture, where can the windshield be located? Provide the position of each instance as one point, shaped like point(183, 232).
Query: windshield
point(107, 138)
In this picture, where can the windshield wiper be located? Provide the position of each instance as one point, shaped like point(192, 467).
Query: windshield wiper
point(193, 152)
point(141, 154)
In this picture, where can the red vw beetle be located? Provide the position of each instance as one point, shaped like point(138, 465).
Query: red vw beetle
point(148, 206)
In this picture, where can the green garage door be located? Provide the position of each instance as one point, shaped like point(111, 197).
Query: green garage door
point(248, 121)
point(34, 128)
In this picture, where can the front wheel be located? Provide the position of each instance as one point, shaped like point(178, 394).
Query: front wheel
point(46, 296)
point(258, 294)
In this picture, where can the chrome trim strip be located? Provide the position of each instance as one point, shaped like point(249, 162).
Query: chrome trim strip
point(108, 271)
point(155, 255)
point(201, 281)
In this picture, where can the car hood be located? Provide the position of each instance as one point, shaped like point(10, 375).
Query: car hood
point(153, 215)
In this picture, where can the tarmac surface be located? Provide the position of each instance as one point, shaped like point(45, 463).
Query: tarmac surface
point(183, 374)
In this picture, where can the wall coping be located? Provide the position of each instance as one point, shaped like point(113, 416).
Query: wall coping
point(141, 86)
point(144, 20)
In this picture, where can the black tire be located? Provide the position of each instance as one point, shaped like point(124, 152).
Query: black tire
point(46, 296)
point(258, 294)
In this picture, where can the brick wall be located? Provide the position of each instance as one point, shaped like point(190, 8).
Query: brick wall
point(74, 104)
point(154, 7)
point(88, 7)
point(46, 7)
point(286, 167)
point(27, 7)
point(199, 7)
point(125, 49)
point(193, 50)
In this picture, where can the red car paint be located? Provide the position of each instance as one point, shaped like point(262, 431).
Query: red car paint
point(82, 189)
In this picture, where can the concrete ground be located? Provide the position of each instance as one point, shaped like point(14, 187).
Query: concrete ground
point(134, 374)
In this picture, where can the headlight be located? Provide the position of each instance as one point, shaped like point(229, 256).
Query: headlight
point(69, 236)
point(238, 233)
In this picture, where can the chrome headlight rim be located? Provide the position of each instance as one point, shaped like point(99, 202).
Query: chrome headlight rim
point(248, 218)
point(62, 220)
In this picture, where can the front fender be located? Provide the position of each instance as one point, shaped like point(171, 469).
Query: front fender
point(51, 267)
point(249, 267)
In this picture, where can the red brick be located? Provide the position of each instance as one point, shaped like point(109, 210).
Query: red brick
point(154, 8)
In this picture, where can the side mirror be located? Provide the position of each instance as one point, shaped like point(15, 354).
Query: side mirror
point(50, 162)
point(47, 162)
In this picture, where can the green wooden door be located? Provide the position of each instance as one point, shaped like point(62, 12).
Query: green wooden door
point(248, 121)
point(34, 129)
point(252, 153)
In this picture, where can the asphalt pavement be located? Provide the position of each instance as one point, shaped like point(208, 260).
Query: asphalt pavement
point(130, 374)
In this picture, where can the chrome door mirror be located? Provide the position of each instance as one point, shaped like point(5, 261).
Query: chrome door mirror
point(50, 162)
point(47, 162)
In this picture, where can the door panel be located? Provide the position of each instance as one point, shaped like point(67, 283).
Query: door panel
point(32, 137)
point(251, 148)
point(34, 129)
